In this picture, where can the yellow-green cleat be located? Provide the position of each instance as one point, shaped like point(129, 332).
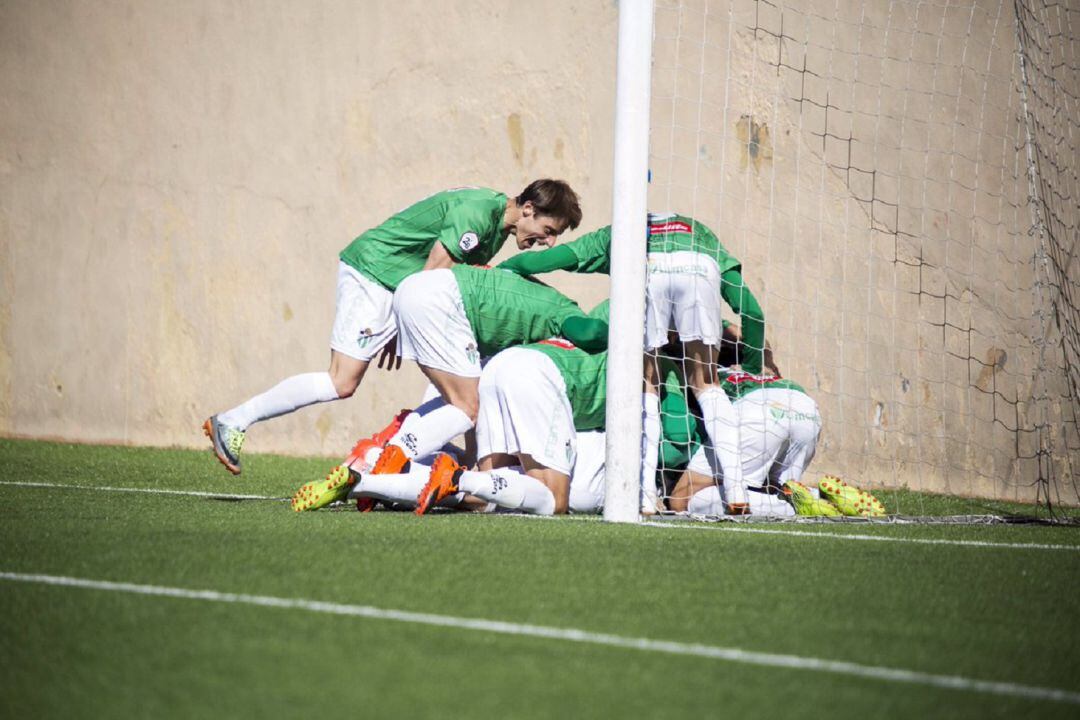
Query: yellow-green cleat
point(806, 504)
point(852, 501)
point(315, 495)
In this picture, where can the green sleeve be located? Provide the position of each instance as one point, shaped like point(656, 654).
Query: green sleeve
point(466, 234)
point(587, 333)
point(559, 257)
point(752, 320)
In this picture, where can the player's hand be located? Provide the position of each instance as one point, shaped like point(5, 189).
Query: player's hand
point(389, 355)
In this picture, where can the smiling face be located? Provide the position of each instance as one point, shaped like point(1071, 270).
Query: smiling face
point(534, 229)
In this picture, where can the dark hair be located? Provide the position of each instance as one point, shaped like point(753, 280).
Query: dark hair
point(553, 197)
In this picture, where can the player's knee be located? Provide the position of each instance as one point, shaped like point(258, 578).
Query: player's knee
point(561, 504)
point(345, 383)
point(470, 406)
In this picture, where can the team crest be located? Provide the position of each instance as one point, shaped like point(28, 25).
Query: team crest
point(469, 241)
point(365, 337)
point(472, 353)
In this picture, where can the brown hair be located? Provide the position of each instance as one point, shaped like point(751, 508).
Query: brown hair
point(553, 197)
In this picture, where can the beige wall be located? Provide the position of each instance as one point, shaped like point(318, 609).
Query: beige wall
point(176, 180)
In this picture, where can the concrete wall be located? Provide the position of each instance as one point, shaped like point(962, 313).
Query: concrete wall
point(176, 180)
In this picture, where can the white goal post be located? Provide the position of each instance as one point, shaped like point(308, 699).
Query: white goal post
point(631, 167)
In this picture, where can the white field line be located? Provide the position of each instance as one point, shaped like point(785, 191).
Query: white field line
point(667, 525)
point(878, 538)
point(745, 657)
point(151, 491)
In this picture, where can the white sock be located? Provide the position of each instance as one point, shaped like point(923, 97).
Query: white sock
point(722, 427)
point(706, 502)
point(287, 396)
point(710, 502)
point(422, 435)
point(400, 488)
point(650, 449)
point(509, 489)
point(767, 505)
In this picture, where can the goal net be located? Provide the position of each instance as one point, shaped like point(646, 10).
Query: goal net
point(899, 182)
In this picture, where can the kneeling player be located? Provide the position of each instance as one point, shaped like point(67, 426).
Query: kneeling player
point(779, 425)
point(537, 405)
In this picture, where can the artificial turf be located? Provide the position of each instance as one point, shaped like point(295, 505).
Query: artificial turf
point(990, 611)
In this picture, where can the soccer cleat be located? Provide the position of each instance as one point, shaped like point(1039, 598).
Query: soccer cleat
point(391, 461)
point(806, 504)
point(227, 443)
point(315, 495)
point(849, 499)
point(442, 483)
point(365, 504)
point(378, 440)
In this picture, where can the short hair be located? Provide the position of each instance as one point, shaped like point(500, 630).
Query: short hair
point(553, 197)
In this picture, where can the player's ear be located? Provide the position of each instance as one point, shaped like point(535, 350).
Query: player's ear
point(528, 209)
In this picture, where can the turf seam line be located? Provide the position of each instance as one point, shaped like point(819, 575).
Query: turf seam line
point(152, 491)
point(674, 526)
point(749, 657)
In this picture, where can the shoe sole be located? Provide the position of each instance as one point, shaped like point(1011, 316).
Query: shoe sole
point(208, 429)
point(315, 495)
point(855, 503)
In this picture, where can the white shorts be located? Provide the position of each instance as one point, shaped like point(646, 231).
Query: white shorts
point(682, 292)
point(778, 434)
point(524, 410)
point(587, 478)
point(432, 326)
point(364, 318)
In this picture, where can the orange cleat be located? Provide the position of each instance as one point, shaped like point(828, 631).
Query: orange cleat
point(378, 440)
point(391, 461)
point(442, 483)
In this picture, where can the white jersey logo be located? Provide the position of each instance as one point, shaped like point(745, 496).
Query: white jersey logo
point(468, 241)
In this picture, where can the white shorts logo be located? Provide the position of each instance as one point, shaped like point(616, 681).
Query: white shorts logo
point(468, 241)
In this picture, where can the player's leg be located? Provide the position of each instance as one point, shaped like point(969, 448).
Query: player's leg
point(434, 332)
point(523, 413)
point(721, 420)
point(650, 435)
point(363, 324)
point(587, 477)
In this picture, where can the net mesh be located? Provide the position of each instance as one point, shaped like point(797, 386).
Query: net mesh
point(899, 182)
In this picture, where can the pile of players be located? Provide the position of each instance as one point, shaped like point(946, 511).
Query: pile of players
point(524, 368)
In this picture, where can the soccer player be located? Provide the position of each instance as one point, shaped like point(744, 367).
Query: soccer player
point(689, 272)
point(449, 320)
point(464, 225)
point(538, 435)
point(779, 427)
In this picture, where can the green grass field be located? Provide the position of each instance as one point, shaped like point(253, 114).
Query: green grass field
point(829, 620)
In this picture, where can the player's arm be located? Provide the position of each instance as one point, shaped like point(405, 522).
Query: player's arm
point(459, 238)
point(589, 334)
point(438, 258)
point(560, 257)
point(752, 324)
point(588, 254)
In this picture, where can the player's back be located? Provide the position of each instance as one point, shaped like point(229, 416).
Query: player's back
point(467, 221)
point(505, 309)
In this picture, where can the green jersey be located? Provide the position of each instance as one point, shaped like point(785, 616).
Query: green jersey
point(585, 377)
point(667, 233)
point(505, 309)
point(467, 221)
point(738, 385)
